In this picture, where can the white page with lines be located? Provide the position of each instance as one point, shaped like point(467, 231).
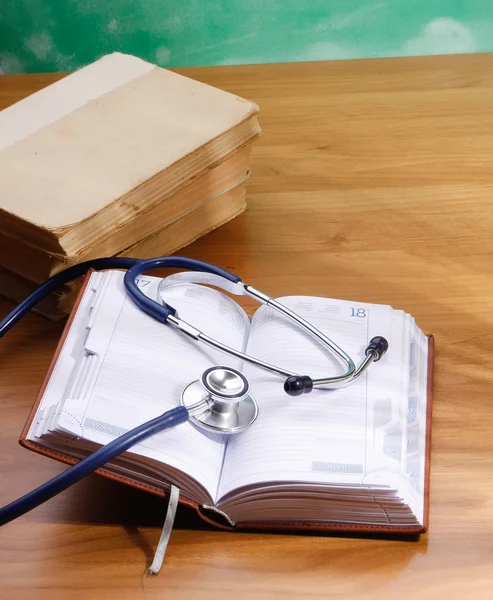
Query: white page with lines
point(142, 368)
point(324, 436)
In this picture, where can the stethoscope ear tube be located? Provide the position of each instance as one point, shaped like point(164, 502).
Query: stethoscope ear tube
point(303, 384)
point(163, 311)
point(134, 267)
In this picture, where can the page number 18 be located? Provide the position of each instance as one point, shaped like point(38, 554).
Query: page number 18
point(358, 312)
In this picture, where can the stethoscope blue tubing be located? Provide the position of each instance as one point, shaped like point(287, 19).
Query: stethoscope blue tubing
point(169, 419)
point(88, 465)
point(134, 266)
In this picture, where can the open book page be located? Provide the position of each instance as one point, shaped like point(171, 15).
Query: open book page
point(387, 419)
point(417, 419)
point(134, 368)
point(325, 437)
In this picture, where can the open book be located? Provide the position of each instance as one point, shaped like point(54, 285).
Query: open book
point(355, 458)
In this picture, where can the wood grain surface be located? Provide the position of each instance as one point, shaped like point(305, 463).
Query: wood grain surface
point(373, 180)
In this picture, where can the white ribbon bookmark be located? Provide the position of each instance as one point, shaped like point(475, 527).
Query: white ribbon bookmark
point(166, 532)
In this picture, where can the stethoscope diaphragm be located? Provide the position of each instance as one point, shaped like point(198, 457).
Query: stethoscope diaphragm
point(220, 401)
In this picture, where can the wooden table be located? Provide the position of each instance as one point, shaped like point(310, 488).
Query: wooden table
point(374, 181)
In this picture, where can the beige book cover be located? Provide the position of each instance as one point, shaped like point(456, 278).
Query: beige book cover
point(72, 155)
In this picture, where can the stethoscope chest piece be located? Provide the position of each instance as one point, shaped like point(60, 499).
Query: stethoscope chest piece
point(220, 401)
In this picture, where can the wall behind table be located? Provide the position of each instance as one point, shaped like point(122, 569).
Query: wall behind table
point(62, 35)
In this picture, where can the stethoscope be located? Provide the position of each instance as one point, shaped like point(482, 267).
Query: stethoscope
point(228, 405)
point(220, 400)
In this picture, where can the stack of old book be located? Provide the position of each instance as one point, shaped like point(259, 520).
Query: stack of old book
point(121, 158)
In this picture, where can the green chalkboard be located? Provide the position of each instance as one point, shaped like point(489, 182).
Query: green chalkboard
point(61, 35)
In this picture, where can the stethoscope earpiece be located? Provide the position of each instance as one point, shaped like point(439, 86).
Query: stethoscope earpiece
point(378, 346)
point(298, 384)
